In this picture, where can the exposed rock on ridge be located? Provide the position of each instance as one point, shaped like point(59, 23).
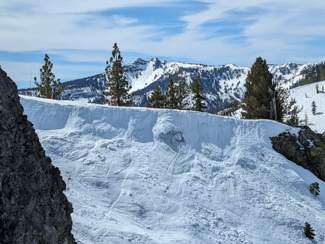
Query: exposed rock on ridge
point(306, 149)
point(33, 208)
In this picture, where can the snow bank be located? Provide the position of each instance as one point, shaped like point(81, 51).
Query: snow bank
point(138, 175)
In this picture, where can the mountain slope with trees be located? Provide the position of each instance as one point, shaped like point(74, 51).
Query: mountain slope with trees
point(307, 95)
point(221, 85)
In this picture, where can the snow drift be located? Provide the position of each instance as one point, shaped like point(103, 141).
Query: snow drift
point(137, 175)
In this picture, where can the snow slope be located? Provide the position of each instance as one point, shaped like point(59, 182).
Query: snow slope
point(304, 96)
point(137, 175)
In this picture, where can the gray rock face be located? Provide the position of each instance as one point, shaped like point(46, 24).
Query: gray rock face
point(306, 149)
point(33, 208)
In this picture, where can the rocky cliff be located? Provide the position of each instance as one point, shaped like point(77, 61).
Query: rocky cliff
point(306, 149)
point(33, 207)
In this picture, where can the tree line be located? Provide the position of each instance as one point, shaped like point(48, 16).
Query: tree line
point(263, 98)
point(118, 87)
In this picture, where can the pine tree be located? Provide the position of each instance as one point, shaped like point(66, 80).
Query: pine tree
point(292, 114)
point(313, 107)
point(198, 97)
point(287, 109)
point(117, 84)
point(171, 99)
point(309, 231)
point(49, 86)
point(314, 189)
point(181, 94)
point(157, 99)
point(259, 101)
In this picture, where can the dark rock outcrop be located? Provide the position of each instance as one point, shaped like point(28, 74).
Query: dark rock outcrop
point(33, 207)
point(306, 149)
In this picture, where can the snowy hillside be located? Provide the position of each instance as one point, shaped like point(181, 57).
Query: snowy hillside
point(305, 95)
point(136, 175)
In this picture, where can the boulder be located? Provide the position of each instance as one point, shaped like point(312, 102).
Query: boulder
point(306, 149)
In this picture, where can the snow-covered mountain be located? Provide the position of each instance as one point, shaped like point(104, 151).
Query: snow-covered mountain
point(138, 175)
point(222, 85)
point(305, 96)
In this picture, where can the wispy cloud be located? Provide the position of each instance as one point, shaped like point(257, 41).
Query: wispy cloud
point(80, 33)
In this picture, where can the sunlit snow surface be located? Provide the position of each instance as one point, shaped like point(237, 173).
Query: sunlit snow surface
point(159, 176)
point(305, 95)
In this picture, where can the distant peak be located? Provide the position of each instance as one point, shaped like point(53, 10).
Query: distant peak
point(140, 61)
point(156, 62)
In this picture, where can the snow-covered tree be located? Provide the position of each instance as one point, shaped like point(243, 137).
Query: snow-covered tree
point(49, 86)
point(117, 84)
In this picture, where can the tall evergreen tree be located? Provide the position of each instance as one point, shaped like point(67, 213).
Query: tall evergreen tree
point(259, 101)
point(182, 91)
point(49, 86)
point(199, 104)
point(117, 84)
point(171, 99)
point(313, 107)
point(309, 231)
point(157, 99)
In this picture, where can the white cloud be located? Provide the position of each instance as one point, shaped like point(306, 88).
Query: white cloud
point(75, 6)
point(280, 33)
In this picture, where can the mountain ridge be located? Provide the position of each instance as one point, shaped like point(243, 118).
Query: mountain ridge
point(222, 84)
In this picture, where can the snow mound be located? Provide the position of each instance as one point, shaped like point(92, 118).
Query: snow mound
point(137, 175)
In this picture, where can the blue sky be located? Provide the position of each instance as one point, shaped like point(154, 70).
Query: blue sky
point(78, 34)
